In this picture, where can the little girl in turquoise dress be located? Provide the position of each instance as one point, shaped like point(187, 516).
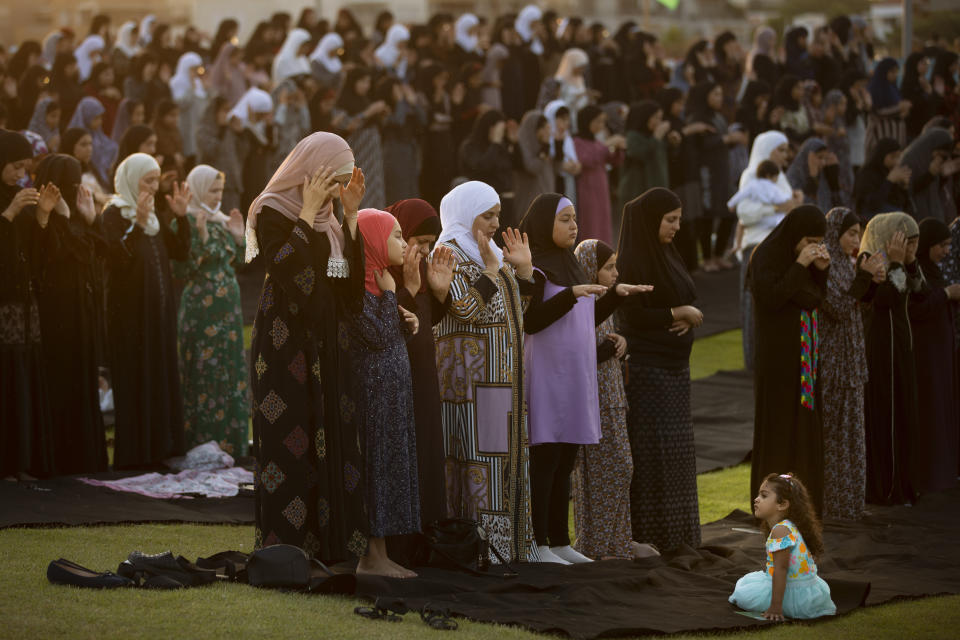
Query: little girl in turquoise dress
point(790, 586)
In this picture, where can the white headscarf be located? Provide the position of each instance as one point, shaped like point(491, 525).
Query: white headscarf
point(256, 100)
point(83, 53)
point(289, 62)
point(50, 44)
point(763, 145)
point(180, 82)
point(123, 39)
point(459, 208)
point(388, 54)
point(528, 15)
point(572, 59)
point(200, 179)
point(127, 186)
point(467, 42)
point(328, 44)
point(146, 29)
point(550, 113)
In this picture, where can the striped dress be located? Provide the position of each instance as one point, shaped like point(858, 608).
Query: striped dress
point(480, 368)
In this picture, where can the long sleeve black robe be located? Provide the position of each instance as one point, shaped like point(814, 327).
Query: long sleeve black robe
point(142, 340)
point(71, 320)
point(786, 436)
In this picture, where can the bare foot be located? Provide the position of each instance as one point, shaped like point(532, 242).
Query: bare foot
point(643, 550)
point(407, 572)
point(384, 568)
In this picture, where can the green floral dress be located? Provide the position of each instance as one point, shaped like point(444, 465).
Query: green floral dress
point(212, 366)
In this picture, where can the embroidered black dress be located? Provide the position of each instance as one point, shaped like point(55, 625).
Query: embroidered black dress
point(309, 477)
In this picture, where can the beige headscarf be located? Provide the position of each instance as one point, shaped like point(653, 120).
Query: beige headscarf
point(881, 228)
point(200, 179)
point(126, 183)
point(284, 193)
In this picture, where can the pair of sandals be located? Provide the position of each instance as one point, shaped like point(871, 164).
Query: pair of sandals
point(393, 610)
point(164, 571)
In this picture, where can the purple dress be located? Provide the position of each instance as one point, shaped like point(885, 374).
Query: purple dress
point(561, 366)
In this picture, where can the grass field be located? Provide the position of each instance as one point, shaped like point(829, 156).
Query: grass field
point(31, 608)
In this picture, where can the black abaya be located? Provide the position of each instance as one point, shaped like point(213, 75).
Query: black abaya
point(787, 436)
point(142, 340)
point(71, 317)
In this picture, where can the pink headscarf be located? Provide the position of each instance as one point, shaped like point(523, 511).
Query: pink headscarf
point(284, 193)
point(375, 227)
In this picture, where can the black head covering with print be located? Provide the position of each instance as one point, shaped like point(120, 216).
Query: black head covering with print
point(559, 265)
point(932, 233)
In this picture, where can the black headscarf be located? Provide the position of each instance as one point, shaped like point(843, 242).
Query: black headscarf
point(63, 171)
point(698, 110)
point(480, 133)
point(13, 148)
point(932, 232)
point(640, 114)
point(643, 259)
point(560, 265)
point(941, 68)
point(700, 72)
point(778, 251)
point(584, 117)
point(783, 94)
point(349, 100)
point(910, 85)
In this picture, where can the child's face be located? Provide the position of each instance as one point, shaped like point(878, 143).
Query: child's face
point(607, 275)
point(850, 240)
point(396, 245)
point(766, 505)
point(53, 118)
point(565, 228)
point(138, 115)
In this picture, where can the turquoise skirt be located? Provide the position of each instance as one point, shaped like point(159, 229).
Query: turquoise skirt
point(804, 598)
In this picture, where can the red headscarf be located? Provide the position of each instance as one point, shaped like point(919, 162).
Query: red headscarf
point(375, 227)
point(417, 218)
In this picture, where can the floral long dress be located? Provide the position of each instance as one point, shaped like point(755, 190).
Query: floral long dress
point(602, 477)
point(213, 372)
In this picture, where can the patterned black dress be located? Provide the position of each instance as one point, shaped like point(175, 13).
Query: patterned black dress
point(309, 478)
point(381, 371)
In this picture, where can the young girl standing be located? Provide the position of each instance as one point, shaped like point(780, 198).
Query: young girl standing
point(381, 370)
point(561, 358)
point(790, 586)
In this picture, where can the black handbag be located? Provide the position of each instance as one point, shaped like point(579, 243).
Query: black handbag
point(457, 543)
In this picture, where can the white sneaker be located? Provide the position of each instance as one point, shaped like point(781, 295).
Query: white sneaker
point(571, 555)
point(546, 555)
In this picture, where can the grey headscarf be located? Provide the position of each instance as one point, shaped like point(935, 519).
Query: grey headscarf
point(927, 201)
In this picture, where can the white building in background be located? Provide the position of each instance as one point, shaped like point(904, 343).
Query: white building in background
point(26, 19)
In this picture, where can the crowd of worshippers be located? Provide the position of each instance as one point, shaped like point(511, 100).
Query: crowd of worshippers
point(408, 365)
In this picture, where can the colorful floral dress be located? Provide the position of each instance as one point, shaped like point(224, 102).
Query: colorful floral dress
point(216, 404)
point(806, 595)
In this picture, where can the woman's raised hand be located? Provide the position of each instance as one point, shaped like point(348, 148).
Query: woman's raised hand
point(144, 207)
point(897, 247)
point(178, 201)
point(411, 268)
point(440, 272)
point(316, 193)
point(490, 262)
point(48, 198)
point(85, 204)
point(352, 194)
point(581, 290)
point(516, 251)
point(235, 226)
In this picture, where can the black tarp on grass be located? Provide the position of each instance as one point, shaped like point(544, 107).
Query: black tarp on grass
point(895, 552)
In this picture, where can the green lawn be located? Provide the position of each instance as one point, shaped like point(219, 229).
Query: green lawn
point(30, 607)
